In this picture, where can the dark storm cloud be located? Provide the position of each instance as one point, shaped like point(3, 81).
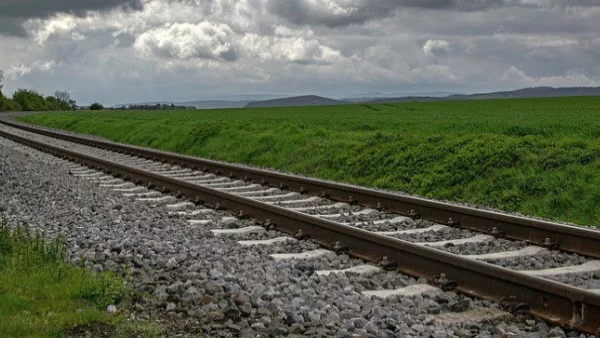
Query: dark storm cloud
point(340, 14)
point(14, 12)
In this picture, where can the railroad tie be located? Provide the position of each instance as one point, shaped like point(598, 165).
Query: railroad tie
point(365, 269)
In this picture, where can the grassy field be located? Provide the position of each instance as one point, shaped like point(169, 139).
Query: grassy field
point(537, 156)
point(42, 296)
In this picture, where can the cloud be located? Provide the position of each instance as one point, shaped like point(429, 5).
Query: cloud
point(340, 13)
point(436, 48)
point(205, 40)
point(42, 66)
point(434, 74)
point(59, 25)
point(297, 46)
point(13, 13)
point(572, 78)
point(183, 49)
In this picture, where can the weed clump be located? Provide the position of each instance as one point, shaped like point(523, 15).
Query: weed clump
point(41, 294)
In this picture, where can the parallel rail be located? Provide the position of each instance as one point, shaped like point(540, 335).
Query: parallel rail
point(566, 305)
point(564, 237)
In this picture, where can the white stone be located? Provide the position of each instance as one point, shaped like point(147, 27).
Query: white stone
point(117, 186)
point(365, 269)
point(585, 267)
point(488, 315)
point(210, 180)
point(222, 185)
point(313, 199)
point(276, 197)
point(362, 212)
point(228, 220)
point(323, 207)
point(242, 189)
point(192, 213)
point(130, 190)
point(409, 291)
point(474, 239)
point(83, 171)
point(180, 206)
point(433, 228)
point(97, 174)
point(165, 199)
point(267, 241)
point(395, 220)
point(302, 255)
point(172, 172)
point(255, 193)
point(200, 221)
point(103, 183)
point(238, 232)
point(143, 194)
point(527, 251)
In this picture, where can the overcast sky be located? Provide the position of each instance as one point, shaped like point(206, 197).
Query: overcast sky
point(120, 51)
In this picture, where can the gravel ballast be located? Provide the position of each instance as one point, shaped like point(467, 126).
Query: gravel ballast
point(197, 284)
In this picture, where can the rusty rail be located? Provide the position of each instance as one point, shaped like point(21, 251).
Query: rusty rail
point(565, 305)
point(564, 237)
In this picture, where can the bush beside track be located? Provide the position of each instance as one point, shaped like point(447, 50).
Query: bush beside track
point(535, 156)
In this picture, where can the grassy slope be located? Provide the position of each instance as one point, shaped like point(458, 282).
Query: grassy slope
point(537, 156)
point(42, 296)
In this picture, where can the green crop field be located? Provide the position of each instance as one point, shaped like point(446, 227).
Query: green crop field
point(539, 157)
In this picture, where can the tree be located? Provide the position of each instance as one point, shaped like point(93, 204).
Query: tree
point(29, 100)
point(6, 104)
point(52, 103)
point(96, 106)
point(64, 97)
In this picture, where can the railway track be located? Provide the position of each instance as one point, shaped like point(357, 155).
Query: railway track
point(466, 249)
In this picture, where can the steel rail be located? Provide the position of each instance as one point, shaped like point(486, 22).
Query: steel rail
point(564, 237)
point(555, 302)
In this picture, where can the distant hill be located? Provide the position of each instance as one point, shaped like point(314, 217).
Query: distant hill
point(214, 104)
point(266, 100)
point(371, 96)
point(307, 100)
point(533, 92)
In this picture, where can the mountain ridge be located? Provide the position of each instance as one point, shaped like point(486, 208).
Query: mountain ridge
point(313, 100)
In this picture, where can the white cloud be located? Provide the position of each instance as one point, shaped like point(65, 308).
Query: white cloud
point(434, 47)
point(289, 47)
point(18, 70)
point(59, 25)
point(41, 66)
point(205, 40)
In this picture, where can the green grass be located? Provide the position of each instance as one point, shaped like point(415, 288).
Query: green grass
point(537, 156)
point(43, 296)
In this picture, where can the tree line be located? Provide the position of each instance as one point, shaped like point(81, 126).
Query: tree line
point(157, 106)
point(30, 100)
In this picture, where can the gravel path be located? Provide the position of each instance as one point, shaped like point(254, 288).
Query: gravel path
point(197, 284)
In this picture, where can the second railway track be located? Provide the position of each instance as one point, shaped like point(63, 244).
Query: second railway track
point(416, 236)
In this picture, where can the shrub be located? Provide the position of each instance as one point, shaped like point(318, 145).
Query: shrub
point(96, 106)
